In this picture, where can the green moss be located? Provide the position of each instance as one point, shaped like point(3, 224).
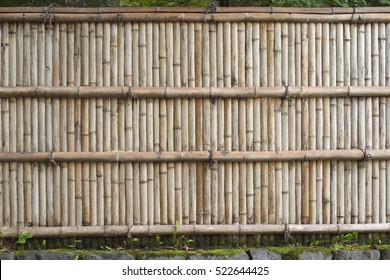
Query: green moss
point(218, 252)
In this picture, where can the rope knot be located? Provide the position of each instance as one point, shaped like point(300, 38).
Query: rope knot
point(366, 157)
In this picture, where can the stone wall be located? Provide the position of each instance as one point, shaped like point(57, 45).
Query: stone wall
point(299, 253)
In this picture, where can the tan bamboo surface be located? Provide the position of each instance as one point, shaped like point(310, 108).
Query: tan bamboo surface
point(161, 230)
point(117, 121)
point(262, 14)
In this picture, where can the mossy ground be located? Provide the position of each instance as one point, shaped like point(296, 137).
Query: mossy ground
point(169, 246)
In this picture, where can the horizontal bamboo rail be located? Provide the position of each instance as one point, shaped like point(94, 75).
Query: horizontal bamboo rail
point(192, 16)
point(271, 10)
point(197, 156)
point(164, 230)
point(195, 92)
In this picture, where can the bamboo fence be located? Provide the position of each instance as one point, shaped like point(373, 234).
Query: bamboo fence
point(124, 122)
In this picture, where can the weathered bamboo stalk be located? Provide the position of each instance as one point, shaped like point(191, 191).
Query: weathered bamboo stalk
point(382, 121)
point(256, 125)
point(192, 123)
point(156, 122)
point(192, 92)
point(170, 123)
point(269, 16)
point(305, 126)
point(114, 123)
point(162, 230)
point(163, 126)
point(12, 107)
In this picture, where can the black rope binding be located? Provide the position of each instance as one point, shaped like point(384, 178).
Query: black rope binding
point(366, 157)
point(130, 95)
point(285, 97)
point(50, 14)
point(211, 9)
point(212, 160)
point(354, 13)
point(52, 160)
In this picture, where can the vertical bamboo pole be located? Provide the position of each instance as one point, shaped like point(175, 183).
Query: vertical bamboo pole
point(382, 121)
point(114, 123)
point(27, 124)
point(387, 83)
point(312, 122)
point(340, 122)
point(70, 126)
point(242, 175)
point(285, 121)
point(177, 123)
point(85, 114)
point(63, 124)
point(213, 124)
point(256, 124)
point(198, 125)
point(41, 125)
point(271, 123)
point(142, 126)
point(34, 126)
point(354, 125)
point(149, 121)
point(298, 122)
point(163, 126)
point(77, 126)
point(235, 125)
point(326, 124)
point(333, 125)
point(305, 125)
point(192, 123)
point(227, 122)
point(292, 125)
point(249, 122)
point(19, 127)
point(156, 122)
point(128, 50)
point(49, 122)
point(375, 123)
point(368, 125)
point(12, 127)
point(347, 125)
point(170, 124)
point(264, 120)
point(56, 127)
point(92, 126)
point(121, 124)
point(220, 123)
point(206, 123)
point(136, 125)
point(278, 124)
point(107, 125)
point(319, 123)
point(242, 124)
point(99, 125)
point(361, 124)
